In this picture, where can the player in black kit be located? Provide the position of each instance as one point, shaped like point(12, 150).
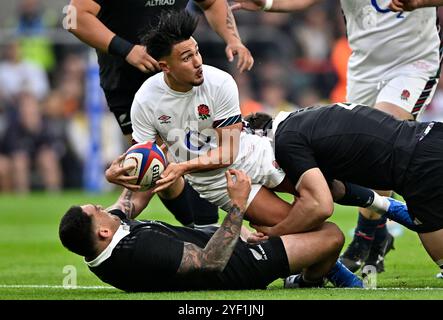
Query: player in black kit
point(154, 256)
point(364, 146)
point(113, 28)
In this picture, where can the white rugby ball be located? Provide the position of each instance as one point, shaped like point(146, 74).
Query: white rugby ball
point(149, 163)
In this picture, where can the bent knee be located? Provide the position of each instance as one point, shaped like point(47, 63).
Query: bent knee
point(334, 235)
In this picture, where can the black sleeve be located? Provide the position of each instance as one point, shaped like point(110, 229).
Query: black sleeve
point(294, 155)
point(158, 252)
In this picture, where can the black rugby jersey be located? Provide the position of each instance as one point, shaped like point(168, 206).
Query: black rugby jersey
point(348, 142)
point(147, 259)
point(128, 19)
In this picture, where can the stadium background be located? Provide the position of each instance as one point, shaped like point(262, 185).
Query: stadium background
point(54, 122)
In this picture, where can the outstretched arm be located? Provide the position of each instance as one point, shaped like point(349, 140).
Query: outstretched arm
point(222, 21)
point(93, 32)
point(273, 6)
point(217, 252)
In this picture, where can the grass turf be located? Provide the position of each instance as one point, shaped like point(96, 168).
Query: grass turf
point(32, 259)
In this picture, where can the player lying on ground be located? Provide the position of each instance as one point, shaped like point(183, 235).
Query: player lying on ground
point(358, 144)
point(154, 256)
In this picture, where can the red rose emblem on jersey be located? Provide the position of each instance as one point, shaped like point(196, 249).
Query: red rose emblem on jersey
point(405, 95)
point(203, 112)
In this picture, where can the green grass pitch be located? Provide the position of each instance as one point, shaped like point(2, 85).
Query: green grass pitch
point(33, 261)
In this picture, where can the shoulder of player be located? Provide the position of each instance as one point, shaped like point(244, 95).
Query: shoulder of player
point(149, 89)
point(215, 77)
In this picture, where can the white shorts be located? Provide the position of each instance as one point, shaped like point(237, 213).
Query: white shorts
point(256, 157)
point(411, 94)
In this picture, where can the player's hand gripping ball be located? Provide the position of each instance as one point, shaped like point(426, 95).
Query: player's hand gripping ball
point(149, 162)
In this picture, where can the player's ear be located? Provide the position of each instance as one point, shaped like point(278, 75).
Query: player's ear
point(104, 232)
point(163, 65)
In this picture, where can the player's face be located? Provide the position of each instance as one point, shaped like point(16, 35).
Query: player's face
point(185, 66)
point(100, 216)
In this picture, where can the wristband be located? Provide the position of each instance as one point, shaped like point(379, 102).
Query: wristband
point(120, 47)
point(268, 5)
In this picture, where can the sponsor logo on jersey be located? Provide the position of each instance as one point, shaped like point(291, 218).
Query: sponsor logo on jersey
point(405, 94)
point(155, 3)
point(164, 119)
point(203, 112)
point(195, 141)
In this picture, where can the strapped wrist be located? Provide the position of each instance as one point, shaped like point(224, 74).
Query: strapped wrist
point(120, 47)
point(268, 5)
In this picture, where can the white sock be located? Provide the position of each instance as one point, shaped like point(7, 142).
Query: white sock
point(380, 204)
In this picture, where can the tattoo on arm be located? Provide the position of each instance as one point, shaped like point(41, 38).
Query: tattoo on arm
point(127, 206)
point(218, 250)
point(230, 23)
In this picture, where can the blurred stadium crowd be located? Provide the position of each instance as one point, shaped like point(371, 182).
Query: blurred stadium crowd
point(300, 60)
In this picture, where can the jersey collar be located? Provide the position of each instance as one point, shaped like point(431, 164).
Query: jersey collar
point(278, 119)
point(121, 232)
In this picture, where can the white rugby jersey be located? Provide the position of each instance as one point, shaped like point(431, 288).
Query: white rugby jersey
point(185, 121)
point(384, 42)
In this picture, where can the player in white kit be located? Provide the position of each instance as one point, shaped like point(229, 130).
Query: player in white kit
point(195, 110)
point(394, 66)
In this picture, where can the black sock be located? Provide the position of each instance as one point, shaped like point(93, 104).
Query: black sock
point(381, 231)
point(180, 208)
point(365, 228)
point(189, 208)
point(356, 196)
point(204, 212)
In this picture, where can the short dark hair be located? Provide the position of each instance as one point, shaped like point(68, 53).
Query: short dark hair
point(259, 121)
point(75, 232)
point(173, 27)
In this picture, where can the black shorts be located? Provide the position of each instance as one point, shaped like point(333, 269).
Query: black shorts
point(256, 266)
point(119, 103)
point(423, 190)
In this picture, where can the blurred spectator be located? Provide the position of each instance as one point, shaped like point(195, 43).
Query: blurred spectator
point(5, 161)
point(58, 123)
point(5, 173)
point(17, 75)
point(339, 59)
point(32, 25)
point(275, 98)
point(341, 51)
point(315, 34)
point(248, 102)
point(70, 83)
point(309, 97)
point(31, 148)
point(315, 37)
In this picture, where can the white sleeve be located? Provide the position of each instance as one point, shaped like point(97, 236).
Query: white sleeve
point(228, 104)
point(143, 128)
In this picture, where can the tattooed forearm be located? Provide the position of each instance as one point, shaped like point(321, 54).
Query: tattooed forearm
point(230, 23)
point(218, 250)
point(127, 205)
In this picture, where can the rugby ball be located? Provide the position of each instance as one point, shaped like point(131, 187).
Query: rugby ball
point(149, 162)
